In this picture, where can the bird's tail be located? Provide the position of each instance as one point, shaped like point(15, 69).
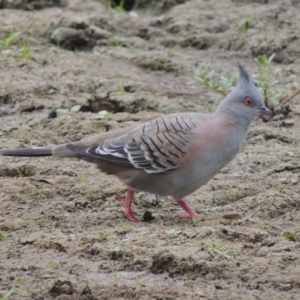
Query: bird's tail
point(36, 151)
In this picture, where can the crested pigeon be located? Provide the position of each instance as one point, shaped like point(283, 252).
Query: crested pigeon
point(173, 155)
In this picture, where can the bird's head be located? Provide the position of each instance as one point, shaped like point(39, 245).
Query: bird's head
point(245, 100)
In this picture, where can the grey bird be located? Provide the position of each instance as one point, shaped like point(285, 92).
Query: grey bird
point(172, 155)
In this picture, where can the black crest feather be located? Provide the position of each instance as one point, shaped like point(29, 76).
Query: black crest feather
point(243, 72)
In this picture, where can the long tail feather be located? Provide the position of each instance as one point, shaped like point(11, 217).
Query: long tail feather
point(38, 151)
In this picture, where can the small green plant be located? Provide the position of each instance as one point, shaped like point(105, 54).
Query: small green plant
point(32, 191)
point(122, 86)
point(170, 110)
point(206, 76)
point(103, 237)
point(228, 293)
point(139, 47)
point(263, 226)
point(173, 233)
point(1, 236)
point(120, 7)
point(242, 31)
point(263, 43)
point(210, 205)
point(103, 115)
point(279, 187)
point(121, 89)
point(116, 41)
point(94, 84)
point(20, 172)
point(116, 277)
point(282, 297)
point(116, 253)
point(291, 236)
point(53, 265)
point(128, 227)
point(83, 178)
point(265, 78)
point(194, 221)
point(13, 289)
point(186, 19)
point(26, 50)
point(217, 245)
point(8, 41)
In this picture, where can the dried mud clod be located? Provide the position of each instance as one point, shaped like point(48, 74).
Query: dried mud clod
point(161, 263)
point(116, 103)
point(69, 38)
point(148, 217)
point(184, 266)
point(62, 287)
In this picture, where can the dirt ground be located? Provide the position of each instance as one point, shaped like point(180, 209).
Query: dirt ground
point(61, 231)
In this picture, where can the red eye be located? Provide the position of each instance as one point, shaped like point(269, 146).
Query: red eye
point(248, 102)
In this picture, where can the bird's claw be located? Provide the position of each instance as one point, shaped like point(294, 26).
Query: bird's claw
point(194, 216)
point(127, 203)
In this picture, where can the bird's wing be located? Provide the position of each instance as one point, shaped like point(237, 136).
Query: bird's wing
point(155, 146)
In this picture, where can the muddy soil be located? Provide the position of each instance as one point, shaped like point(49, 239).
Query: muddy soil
point(62, 231)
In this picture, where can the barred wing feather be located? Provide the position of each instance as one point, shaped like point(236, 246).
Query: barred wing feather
point(156, 146)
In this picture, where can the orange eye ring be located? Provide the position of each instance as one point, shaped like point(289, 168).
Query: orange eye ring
point(248, 101)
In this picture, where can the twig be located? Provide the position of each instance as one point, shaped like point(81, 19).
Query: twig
point(289, 98)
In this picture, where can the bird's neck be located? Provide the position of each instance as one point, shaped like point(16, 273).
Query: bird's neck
point(233, 122)
point(233, 116)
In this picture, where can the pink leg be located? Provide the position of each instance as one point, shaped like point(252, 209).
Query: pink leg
point(191, 214)
point(128, 202)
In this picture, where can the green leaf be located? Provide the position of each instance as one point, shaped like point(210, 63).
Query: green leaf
point(75, 108)
point(103, 114)
point(211, 73)
point(271, 58)
point(62, 111)
point(11, 38)
point(13, 289)
point(261, 59)
point(245, 27)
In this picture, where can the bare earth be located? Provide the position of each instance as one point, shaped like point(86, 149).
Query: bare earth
point(62, 230)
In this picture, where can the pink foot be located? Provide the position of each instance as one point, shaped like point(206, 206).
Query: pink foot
point(191, 214)
point(127, 203)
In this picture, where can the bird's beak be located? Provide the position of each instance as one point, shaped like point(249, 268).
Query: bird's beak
point(265, 111)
